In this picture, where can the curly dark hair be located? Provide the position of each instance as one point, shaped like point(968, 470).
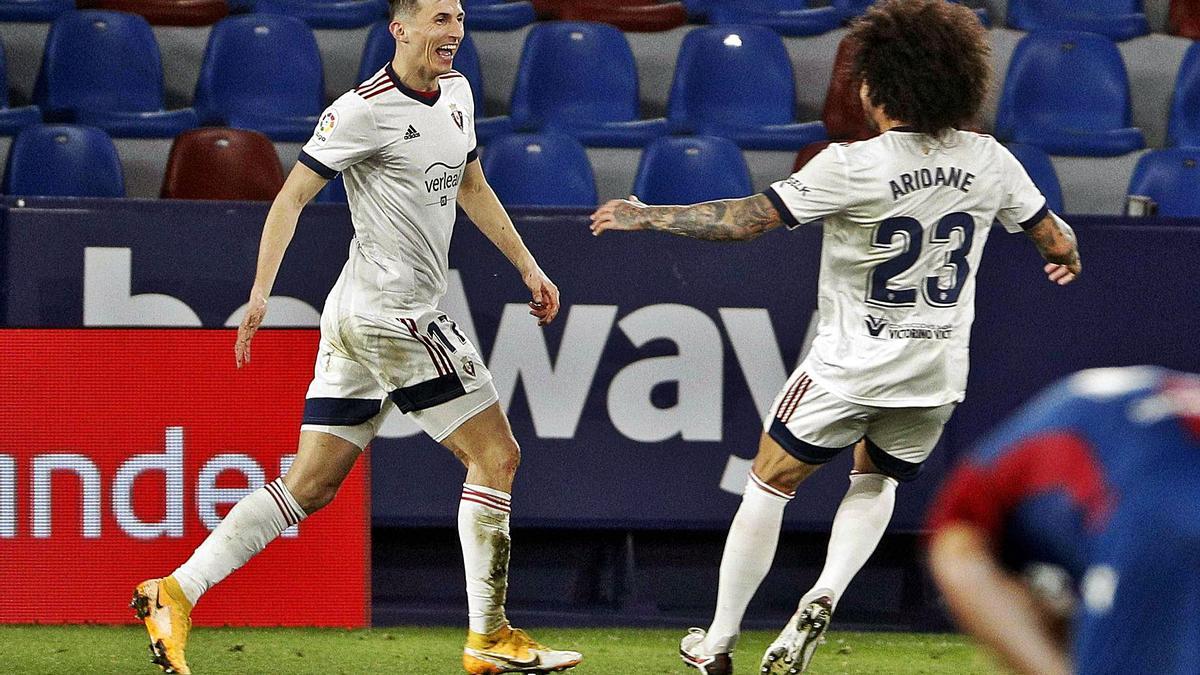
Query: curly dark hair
point(924, 61)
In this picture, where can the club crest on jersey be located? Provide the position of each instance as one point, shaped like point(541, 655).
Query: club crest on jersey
point(326, 126)
point(468, 365)
point(457, 116)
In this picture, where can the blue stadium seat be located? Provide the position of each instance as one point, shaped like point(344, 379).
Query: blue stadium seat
point(334, 192)
point(1184, 126)
point(580, 79)
point(327, 13)
point(381, 47)
point(786, 17)
point(58, 160)
point(241, 6)
point(539, 170)
point(1068, 93)
point(33, 10)
point(13, 120)
point(498, 14)
point(1115, 19)
point(262, 72)
point(1172, 179)
point(737, 82)
point(103, 69)
point(691, 169)
point(1037, 165)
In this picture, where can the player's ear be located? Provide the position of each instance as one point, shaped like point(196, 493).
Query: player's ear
point(396, 28)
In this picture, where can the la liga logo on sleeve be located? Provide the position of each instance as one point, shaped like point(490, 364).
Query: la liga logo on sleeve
point(326, 126)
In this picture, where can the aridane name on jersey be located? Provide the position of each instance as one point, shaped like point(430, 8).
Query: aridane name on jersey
point(906, 217)
point(402, 154)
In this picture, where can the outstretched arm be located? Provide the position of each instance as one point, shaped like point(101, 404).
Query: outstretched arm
point(1056, 242)
point(301, 186)
point(993, 605)
point(479, 201)
point(722, 220)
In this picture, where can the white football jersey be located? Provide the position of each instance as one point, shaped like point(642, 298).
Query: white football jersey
point(906, 217)
point(402, 156)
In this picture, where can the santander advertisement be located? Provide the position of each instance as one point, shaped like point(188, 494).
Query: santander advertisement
point(122, 449)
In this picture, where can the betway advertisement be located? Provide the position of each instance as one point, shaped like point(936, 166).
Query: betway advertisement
point(123, 449)
point(641, 406)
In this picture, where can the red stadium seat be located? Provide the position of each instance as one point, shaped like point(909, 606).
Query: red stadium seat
point(843, 112)
point(166, 12)
point(220, 163)
point(808, 152)
point(636, 18)
point(1184, 19)
point(552, 9)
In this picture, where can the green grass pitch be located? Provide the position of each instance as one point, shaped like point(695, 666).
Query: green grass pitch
point(436, 651)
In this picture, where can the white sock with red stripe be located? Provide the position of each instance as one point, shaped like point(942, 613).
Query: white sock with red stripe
point(483, 531)
point(857, 528)
point(249, 526)
point(749, 552)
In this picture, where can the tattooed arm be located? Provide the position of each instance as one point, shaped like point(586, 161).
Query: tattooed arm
point(722, 220)
point(1055, 240)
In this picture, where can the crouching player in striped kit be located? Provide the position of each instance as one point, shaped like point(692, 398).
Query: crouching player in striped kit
point(905, 216)
point(404, 141)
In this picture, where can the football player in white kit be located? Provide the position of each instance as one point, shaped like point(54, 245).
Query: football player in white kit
point(405, 142)
point(906, 216)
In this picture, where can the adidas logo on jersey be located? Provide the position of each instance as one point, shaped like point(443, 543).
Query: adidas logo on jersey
point(411, 133)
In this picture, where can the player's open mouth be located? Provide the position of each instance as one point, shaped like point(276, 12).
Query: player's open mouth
point(446, 51)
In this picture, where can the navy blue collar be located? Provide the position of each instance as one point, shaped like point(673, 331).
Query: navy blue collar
point(906, 128)
point(420, 97)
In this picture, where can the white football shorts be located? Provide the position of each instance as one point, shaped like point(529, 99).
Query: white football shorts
point(416, 360)
point(814, 425)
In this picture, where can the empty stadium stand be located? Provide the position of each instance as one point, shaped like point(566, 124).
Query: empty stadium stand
point(103, 69)
point(218, 163)
point(737, 82)
point(262, 72)
point(714, 168)
point(539, 170)
point(58, 160)
point(580, 79)
point(1172, 179)
point(1067, 92)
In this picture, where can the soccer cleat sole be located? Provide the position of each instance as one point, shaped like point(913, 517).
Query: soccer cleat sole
point(811, 630)
point(140, 605)
point(479, 666)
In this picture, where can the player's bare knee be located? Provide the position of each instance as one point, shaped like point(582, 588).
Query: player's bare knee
point(312, 494)
point(502, 458)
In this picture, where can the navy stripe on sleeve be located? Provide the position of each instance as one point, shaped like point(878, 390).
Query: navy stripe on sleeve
point(317, 167)
point(472, 155)
point(782, 208)
point(1037, 217)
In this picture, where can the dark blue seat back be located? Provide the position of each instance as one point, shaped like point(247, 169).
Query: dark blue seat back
point(103, 61)
point(686, 170)
point(575, 70)
point(260, 64)
point(1116, 19)
point(1172, 179)
point(1184, 126)
point(1065, 80)
point(33, 10)
point(578, 71)
point(63, 161)
point(1037, 164)
point(732, 75)
point(539, 170)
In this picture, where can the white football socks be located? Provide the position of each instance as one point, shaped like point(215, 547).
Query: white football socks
point(749, 552)
point(483, 532)
point(857, 528)
point(249, 526)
